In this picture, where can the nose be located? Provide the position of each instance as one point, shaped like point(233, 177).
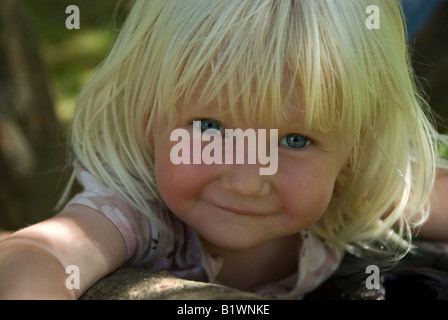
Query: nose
point(245, 180)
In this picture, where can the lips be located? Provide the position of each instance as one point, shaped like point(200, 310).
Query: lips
point(239, 212)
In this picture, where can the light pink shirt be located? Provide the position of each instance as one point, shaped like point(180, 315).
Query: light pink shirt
point(180, 253)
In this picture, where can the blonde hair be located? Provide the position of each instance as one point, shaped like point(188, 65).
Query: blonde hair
point(352, 80)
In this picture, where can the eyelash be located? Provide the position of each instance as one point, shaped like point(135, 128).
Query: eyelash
point(283, 141)
point(203, 120)
point(306, 141)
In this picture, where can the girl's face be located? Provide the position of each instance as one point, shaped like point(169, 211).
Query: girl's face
point(232, 206)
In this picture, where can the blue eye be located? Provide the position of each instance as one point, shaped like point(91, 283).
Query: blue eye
point(295, 141)
point(212, 125)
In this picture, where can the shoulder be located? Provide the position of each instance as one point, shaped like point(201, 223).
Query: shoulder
point(135, 227)
point(318, 260)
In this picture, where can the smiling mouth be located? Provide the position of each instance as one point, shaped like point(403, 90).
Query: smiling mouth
point(238, 212)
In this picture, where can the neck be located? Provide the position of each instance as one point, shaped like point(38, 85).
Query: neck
point(270, 261)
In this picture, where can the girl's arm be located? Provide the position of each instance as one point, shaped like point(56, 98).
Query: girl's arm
point(436, 226)
point(34, 260)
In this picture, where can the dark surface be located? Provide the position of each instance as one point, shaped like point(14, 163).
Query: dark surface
point(139, 284)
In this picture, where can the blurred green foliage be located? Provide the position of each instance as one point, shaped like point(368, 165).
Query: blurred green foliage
point(443, 151)
point(71, 55)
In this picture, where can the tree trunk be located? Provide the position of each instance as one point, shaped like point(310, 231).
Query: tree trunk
point(32, 150)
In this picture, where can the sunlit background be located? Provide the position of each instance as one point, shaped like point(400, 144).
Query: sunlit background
point(71, 55)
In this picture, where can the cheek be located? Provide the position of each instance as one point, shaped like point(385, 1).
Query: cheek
point(306, 196)
point(172, 184)
point(179, 185)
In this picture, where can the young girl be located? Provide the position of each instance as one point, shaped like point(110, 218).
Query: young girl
point(356, 152)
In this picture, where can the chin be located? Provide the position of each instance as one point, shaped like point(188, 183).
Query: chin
point(228, 242)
